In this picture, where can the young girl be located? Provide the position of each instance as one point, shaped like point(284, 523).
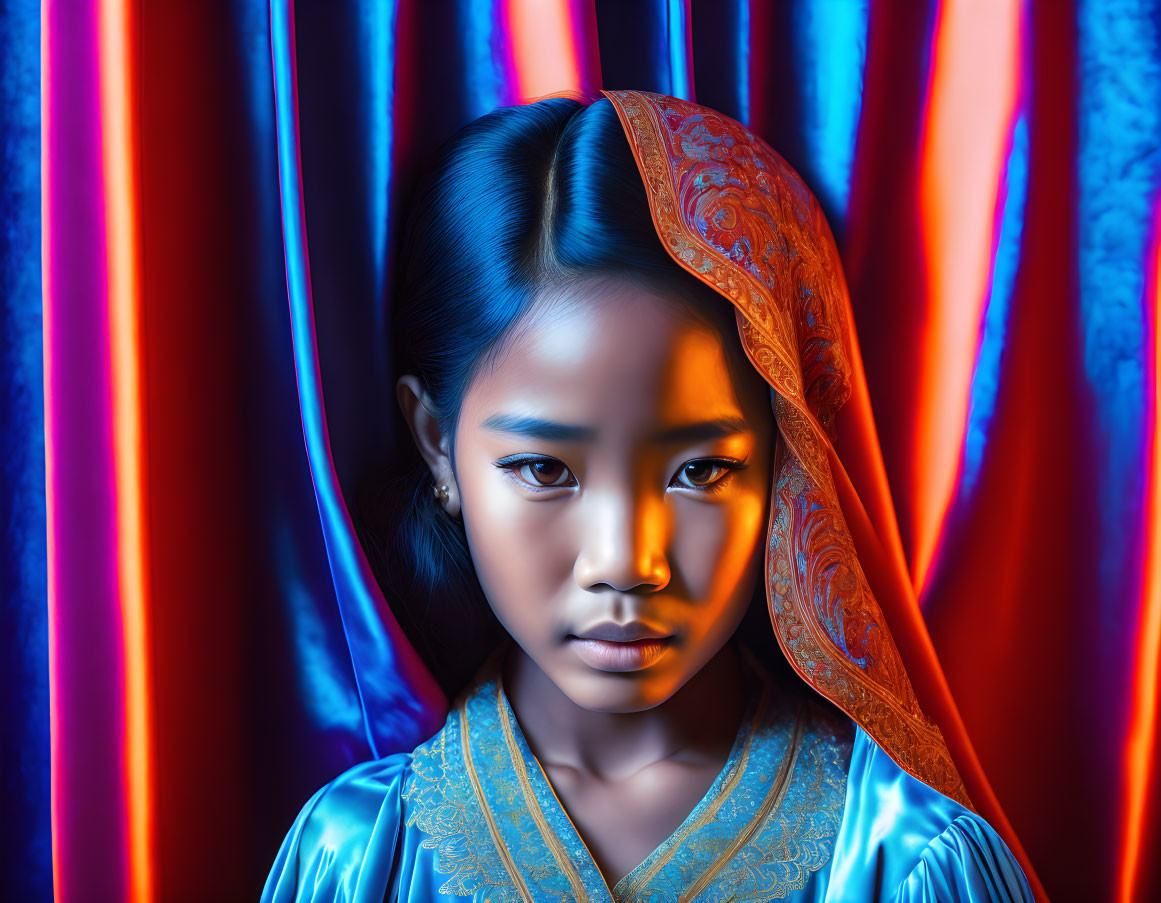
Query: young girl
point(624, 339)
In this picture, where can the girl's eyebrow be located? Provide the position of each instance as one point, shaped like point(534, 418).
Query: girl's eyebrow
point(550, 430)
point(538, 428)
point(719, 428)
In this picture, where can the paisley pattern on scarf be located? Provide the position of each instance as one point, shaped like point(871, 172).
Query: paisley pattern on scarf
point(768, 822)
point(734, 214)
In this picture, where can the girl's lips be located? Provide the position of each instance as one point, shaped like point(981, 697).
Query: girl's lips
point(605, 655)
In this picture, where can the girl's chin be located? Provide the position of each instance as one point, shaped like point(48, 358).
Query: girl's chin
point(618, 692)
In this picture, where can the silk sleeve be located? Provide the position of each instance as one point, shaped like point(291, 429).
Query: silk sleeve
point(342, 846)
point(968, 863)
point(902, 841)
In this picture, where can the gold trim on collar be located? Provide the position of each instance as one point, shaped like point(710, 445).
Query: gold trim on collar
point(505, 856)
point(774, 798)
point(675, 842)
point(563, 862)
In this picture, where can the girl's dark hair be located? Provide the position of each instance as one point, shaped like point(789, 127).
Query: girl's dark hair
point(521, 199)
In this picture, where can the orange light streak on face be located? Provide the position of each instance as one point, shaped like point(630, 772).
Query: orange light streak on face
point(543, 47)
point(119, 146)
point(972, 100)
point(1143, 728)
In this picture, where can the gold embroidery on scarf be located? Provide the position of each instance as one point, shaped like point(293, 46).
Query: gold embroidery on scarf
point(677, 840)
point(794, 327)
point(773, 801)
point(563, 862)
point(517, 879)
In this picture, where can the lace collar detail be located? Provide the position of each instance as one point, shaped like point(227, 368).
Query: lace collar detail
point(500, 834)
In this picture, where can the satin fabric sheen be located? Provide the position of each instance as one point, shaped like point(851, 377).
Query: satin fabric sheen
point(1036, 603)
point(357, 839)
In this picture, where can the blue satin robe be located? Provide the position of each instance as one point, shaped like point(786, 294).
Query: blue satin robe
point(807, 808)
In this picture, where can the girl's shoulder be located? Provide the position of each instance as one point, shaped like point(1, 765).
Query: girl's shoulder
point(902, 840)
point(341, 845)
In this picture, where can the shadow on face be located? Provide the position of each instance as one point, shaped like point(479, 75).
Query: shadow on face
point(612, 467)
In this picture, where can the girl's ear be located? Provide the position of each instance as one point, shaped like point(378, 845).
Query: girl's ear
point(429, 439)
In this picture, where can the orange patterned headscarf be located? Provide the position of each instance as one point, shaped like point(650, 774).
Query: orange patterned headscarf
point(734, 214)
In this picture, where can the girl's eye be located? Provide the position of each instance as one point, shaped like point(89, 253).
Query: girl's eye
point(704, 473)
point(540, 473)
point(545, 472)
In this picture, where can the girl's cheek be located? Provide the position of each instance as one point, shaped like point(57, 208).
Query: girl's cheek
point(713, 544)
point(520, 561)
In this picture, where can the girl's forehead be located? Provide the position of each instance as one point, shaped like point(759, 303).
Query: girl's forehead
point(615, 350)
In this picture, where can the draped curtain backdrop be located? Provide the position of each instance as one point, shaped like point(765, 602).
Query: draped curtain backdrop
point(182, 600)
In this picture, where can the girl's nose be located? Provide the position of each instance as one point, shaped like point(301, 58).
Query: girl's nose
point(624, 543)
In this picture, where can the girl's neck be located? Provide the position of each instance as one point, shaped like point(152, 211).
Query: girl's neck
point(699, 721)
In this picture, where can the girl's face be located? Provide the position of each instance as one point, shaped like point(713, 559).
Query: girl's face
point(612, 468)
